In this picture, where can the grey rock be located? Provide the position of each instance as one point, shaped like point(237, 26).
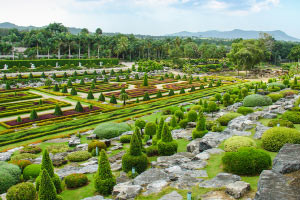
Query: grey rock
point(81, 147)
point(191, 124)
point(237, 189)
point(202, 156)
point(5, 156)
point(241, 123)
point(221, 180)
point(98, 197)
point(194, 165)
point(91, 161)
point(182, 134)
point(269, 115)
point(259, 130)
point(288, 159)
point(91, 137)
point(74, 141)
point(116, 157)
point(150, 176)
point(127, 190)
point(216, 195)
point(155, 187)
point(168, 119)
point(186, 182)
point(168, 161)
point(116, 166)
point(122, 178)
point(173, 195)
point(214, 151)
point(67, 170)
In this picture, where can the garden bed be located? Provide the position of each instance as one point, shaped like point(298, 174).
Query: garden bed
point(17, 96)
point(101, 87)
point(138, 92)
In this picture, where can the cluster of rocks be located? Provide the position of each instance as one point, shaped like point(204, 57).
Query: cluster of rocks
point(5, 156)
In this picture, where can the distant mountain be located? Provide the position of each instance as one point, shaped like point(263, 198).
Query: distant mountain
point(8, 25)
point(236, 33)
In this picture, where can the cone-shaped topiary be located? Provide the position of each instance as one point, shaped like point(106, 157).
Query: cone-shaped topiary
point(69, 83)
point(85, 73)
point(171, 92)
point(173, 122)
point(178, 77)
point(82, 82)
point(20, 76)
point(104, 179)
point(57, 111)
point(113, 99)
point(101, 97)
point(201, 87)
point(30, 76)
point(65, 75)
point(118, 79)
point(47, 189)
point(43, 75)
point(78, 107)
point(73, 91)
point(159, 94)
point(33, 115)
point(75, 74)
point(56, 88)
point(54, 76)
point(193, 89)
point(90, 95)
point(145, 80)
point(19, 119)
point(64, 89)
point(160, 128)
point(7, 86)
point(200, 129)
point(167, 146)
point(105, 80)
point(146, 96)
point(137, 100)
point(93, 86)
point(136, 76)
point(182, 91)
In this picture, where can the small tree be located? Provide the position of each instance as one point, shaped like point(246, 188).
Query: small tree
point(56, 88)
point(113, 99)
point(78, 107)
point(33, 115)
point(82, 82)
point(171, 92)
point(69, 84)
point(145, 80)
point(226, 99)
point(160, 127)
point(192, 116)
point(73, 91)
point(146, 96)
point(150, 129)
point(75, 74)
point(159, 94)
point(58, 111)
point(47, 189)
point(212, 107)
point(173, 122)
point(200, 130)
point(193, 89)
point(90, 95)
point(201, 87)
point(104, 179)
point(7, 86)
point(166, 146)
point(42, 76)
point(93, 86)
point(118, 79)
point(182, 91)
point(105, 80)
point(101, 97)
point(218, 97)
point(19, 119)
point(64, 89)
point(179, 114)
point(141, 124)
point(124, 97)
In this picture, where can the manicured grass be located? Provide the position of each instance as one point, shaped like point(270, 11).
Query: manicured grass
point(2, 128)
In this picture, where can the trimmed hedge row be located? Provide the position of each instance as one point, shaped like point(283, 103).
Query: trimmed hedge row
point(28, 95)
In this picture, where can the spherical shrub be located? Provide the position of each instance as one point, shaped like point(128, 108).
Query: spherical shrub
point(23, 156)
point(152, 151)
point(31, 171)
point(31, 149)
point(183, 123)
point(276, 84)
point(196, 108)
point(139, 162)
point(96, 143)
point(236, 142)
point(59, 148)
point(79, 156)
point(125, 139)
point(76, 180)
point(110, 130)
point(244, 110)
point(281, 122)
point(246, 161)
point(257, 100)
point(192, 116)
point(21, 191)
point(209, 124)
point(167, 148)
point(9, 176)
point(275, 96)
point(225, 119)
point(292, 116)
point(274, 138)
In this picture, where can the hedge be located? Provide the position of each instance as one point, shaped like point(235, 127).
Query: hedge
point(76, 180)
point(292, 116)
point(244, 110)
point(110, 130)
point(79, 156)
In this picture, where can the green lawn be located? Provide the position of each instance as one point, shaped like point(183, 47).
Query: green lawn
point(2, 128)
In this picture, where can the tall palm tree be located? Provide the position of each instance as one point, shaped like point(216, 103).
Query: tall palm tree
point(124, 97)
point(69, 39)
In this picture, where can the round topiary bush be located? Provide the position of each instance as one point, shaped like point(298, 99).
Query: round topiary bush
point(192, 116)
point(21, 191)
point(275, 96)
point(183, 123)
point(9, 176)
point(281, 122)
point(225, 119)
point(125, 139)
point(257, 100)
point(276, 84)
point(236, 142)
point(110, 130)
point(246, 161)
point(274, 138)
point(31, 171)
point(244, 110)
point(96, 143)
point(76, 180)
point(292, 116)
point(79, 156)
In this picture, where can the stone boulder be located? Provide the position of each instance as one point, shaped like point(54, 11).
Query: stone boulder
point(259, 130)
point(127, 190)
point(172, 196)
point(150, 176)
point(185, 182)
point(69, 169)
point(155, 187)
point(98, 197)
point(237, 189)
point(221, 180)
point(5, 156)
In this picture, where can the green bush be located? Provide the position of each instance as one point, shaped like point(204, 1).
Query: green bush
point(79, 156)
point(192, 116)
point(244, 110)
point(281, 122)
point(276, 84)
point(274, 138)
point(76, 180)
point(246, 161)
point(23, 156)
point(286, 93)
point(31, 171)
point(9, 176)
point(152, 151)
point(275, 96)
point(292, 116)
point(96, 143)
point(274, 89)
point(110, 130)
point(200, 129)
point(150, 129)
point(167, 146)
point(59, 148)
point(31, 149)
point(125, 139)
point(225, 119)
point(21, 191)
point(257, 100)
point(236, 142)
point(183, 123)
point(47, 189)
point(209, 124)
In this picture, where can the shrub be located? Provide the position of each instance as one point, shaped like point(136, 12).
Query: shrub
point(257, 100)
point(286, 93)
point(152, 151)
point(104, 180)
point(273, 89)
point(159, 129)
point(79, 156)
point(21, 163)
point(173, 122)
point(59, 148)
point(281, 122)
point(183, 123)
point(76, 180)
point(23, 156)
point(246, 161)
point(95, 143)
point(225, 119)
point(244, 110)
point(31, 171)
point(125, 139)
point(196, 108)
point(275, 96)
point(236, 142)
point(200, 130)
point(292, 116)
point(217, 127)
point(192, 116)
point(9, 176)
point(209, 124)
point(22, 191)
point(47, 188)
point(166, 146)
point(111, 130)
point(78, 107)
point(179, 114)
point(150, 129)
point(31, 149)
point(276, 84)
point(274, 138)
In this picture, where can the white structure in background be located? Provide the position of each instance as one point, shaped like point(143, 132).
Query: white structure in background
point(79, 64)
point(56, 65)
point(5, 67)
point(32, 66)
point(101, 63)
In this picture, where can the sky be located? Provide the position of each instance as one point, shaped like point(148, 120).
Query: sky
point(157, 17)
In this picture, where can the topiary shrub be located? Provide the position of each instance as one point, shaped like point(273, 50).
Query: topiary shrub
point(9, 176)
point(110, 130)
point(236, 142)
point(276, 84)
point(257, 100)
point(76, 180)
point(167, 146)
point(79, 156)
point(246, 161)
point(125, 139)
point(104, 179)
point(21, 163)
point(274, 138)
point(275, 96)
point(31, 171)
point(292, 116)
point(31, 149)
point(47, 188)
point(225, 119)
point(96, 143)
point(59, 148)
point(200, 129)
point(21, 191)
point(150, 129)
point(192, 116)
point(152, 151)
point(183, 123)
point(281, 122)
point(244, 110)
point(23, 156)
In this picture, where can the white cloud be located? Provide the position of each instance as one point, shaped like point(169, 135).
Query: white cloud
point(216, 5)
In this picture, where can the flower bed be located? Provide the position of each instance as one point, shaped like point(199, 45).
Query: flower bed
point(102, 87)
point(18, 96)
point(185, 85)
point(13, 90)
point(151, 82)
point(138, 92)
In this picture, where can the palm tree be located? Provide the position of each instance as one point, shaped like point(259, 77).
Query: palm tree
point(69, 39)
point(122, 45)
point(124, 97)
point(98, 40)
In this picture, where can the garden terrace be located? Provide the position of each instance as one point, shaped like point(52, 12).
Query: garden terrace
point(152, 82)
point(138, 92)
point(17, 96)
point(101, 87)
point(185, 85)
point(13, 90)
point(10, 109)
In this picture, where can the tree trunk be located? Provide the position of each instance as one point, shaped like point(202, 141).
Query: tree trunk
point(37, 50)
point(59, 52)
point(69, 51)
point(98, 51)
point(48, 53)
point(89, 51)
point(79, 52)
